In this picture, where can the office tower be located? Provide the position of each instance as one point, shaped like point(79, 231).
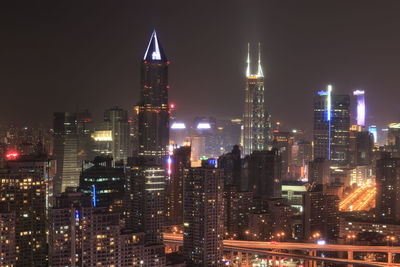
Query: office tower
point(180, 162)
point(265, 173)
point(65, 235)
point(231, 163)
point(255, 119)
point(26, 187)
point(360, 107)
point(203, 215)
point(66, 151)
point(7, 234)
point(146, 191)
point(319, 171)
point(83, 235)
point(104, 182)
point(331, 127)
point(72, 145)
point(153, 110)
point(321, 214)
point(388, 187)
point(116, 120)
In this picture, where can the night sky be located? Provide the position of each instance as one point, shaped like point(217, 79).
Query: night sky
point(69, 55)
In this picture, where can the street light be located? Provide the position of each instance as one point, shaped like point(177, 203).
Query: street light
point(316, 235)
point(351, 237)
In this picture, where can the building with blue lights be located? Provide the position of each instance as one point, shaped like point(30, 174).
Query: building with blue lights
point(105, 182)
point(332, 127)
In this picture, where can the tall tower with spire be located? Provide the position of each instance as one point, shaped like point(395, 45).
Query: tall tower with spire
point(153, 111)
point(255, 119)
point(147, 173)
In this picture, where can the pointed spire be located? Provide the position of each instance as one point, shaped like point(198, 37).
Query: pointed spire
point(154, 49)
point(248, 60)
point(260, 72)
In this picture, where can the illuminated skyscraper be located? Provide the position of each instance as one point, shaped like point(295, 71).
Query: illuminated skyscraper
point(360, 107)
point(255, 120)
point(332, 127)
point(153, 110)
point(72, 145)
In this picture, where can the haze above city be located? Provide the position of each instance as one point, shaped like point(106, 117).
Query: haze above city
point(61, 55)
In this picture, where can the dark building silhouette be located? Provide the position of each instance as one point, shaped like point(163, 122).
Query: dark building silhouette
point(265, 174)
point(319, 171)
point(364, 146)
point(231, 163)
point(283, 141)
point(388, 187)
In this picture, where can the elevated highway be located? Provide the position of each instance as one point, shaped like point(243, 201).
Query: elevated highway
point(278, 250)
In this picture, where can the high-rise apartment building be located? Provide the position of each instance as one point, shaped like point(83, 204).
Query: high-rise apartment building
point(7, 240)
point(321, 214)
point(255, 119)
point(153, 109)
point(146, 188)
point(84, 235)
point(332, 127)
point(238, 206)
point(180, 161)
point(203, 216)
point(26, 188)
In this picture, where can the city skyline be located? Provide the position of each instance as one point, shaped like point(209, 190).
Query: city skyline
point(84, 63)
point(204, 156)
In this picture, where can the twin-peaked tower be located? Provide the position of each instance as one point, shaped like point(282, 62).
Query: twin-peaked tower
point(255, 119)
point(153, 111)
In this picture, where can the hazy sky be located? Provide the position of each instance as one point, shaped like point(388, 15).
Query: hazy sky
point(68, 55)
